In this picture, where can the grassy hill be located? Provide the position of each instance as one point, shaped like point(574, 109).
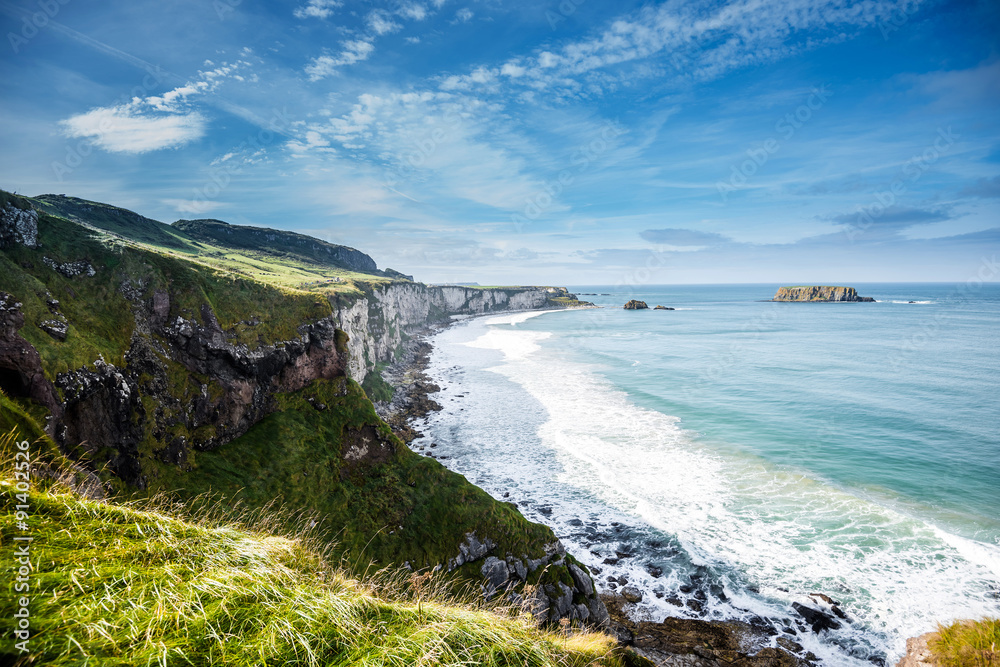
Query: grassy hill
point(179, 374)
point(281, 259)
point(161, 584)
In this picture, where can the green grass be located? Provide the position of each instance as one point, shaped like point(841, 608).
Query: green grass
point(401, 507)
point(968, 644)
point(117, 585)
point(274, 267)
point(375, 386)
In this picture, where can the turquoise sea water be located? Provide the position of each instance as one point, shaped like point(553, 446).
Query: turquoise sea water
point(734, 455)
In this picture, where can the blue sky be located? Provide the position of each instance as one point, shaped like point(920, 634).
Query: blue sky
point(569, 142)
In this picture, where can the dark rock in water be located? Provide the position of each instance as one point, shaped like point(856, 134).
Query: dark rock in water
point(680, 641)
point(632, 594)
point(818, 619)
point(655, 572)
point(832, 604)
point(911, 302)
point(664, 308)
point(636, 305)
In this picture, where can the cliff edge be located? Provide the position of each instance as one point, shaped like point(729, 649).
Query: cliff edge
point(213, 372)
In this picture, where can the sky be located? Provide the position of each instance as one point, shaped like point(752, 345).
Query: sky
point(532, 142)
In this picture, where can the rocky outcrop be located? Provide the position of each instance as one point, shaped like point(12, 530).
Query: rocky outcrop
point(70, 269)
point(664, 308)
point(21, 373)
point(635, 304)
point(682, 642)
point(918, 652)
point(377, 324)
point(820, 293)
point(106, 404)
point(18, 226)
point(575, 599)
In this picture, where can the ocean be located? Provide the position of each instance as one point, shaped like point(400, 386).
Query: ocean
point(733, 456)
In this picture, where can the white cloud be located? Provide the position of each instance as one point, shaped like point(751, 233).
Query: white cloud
point(124, 129)
point(512, 70)
point(412, 40)
point(155, 122)
point(691, 42)
point(193, 206)
point(414, 11)
point(380, 23)
point(317, 9)
point(436, 144)
point(353, 51)
point(464, 15)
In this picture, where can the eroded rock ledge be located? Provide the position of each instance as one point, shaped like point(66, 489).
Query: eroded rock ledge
point(820, 293)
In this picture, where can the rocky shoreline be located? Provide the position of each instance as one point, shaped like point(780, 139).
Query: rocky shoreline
point(674, 642)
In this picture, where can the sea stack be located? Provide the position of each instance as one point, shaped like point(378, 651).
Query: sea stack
point(636, 305)
point(820, 293)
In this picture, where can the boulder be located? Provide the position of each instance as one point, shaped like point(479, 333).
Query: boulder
point(636, 305)
point(818, 619)
point(664, 308)
point(632, 594)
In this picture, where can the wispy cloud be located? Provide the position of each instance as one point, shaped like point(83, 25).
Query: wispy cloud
point(352, 51)
point(126, 129)
point(683, 238)
point(317, 9)
point(380, 22)
point(154, 122)
point(985, 188)
point(694, 42)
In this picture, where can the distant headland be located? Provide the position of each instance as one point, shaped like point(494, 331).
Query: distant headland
point(819, 293)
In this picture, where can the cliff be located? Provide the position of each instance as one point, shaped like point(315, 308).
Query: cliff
point(158, 371)
point(376, 323)
point(819, 293)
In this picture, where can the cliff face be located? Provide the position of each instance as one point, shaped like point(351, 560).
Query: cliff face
point(168, 376)
point(376, 324)
point(819, 293)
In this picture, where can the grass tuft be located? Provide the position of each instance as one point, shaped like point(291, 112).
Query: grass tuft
point(968, 644)
point(158, 582)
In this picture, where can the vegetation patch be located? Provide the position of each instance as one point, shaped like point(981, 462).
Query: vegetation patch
point(968, 644)
point(387, 505)
point(146, 584)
